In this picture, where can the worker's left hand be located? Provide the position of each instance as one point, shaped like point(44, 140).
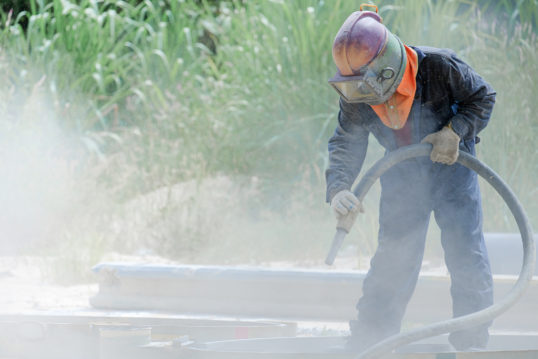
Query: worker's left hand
point(445, 146)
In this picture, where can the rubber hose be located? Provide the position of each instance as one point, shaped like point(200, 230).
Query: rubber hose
point(482, 316)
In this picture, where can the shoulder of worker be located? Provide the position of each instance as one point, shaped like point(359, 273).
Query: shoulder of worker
point(356, 112)
point(445, 65)
point(355, 115)
point(434, 52)
point(433, 59)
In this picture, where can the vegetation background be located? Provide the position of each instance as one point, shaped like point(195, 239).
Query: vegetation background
point(197, 130)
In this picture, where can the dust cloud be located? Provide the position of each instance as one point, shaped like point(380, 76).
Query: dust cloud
point(36, 176)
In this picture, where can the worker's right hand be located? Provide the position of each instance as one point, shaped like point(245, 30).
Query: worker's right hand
point(345, 202)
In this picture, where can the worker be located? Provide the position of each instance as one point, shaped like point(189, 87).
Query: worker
point(405, 95)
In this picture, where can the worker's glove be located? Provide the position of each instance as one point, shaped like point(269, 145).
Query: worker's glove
point(445, 146)
point(345, 202)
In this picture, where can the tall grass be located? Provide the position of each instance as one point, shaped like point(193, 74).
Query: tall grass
point(116, 62)
point(153, 93)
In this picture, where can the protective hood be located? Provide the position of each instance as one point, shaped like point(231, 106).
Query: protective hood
point(371, 60)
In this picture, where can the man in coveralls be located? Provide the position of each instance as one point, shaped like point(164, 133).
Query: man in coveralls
point(405, 95)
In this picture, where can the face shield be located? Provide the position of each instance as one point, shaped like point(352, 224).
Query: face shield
point(377, 80)
point(367, 88)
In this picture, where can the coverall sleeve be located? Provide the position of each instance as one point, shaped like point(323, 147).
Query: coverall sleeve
point(474, 98)
point(347, 150)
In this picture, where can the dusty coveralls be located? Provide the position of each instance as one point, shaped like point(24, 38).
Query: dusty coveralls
point(447, 90)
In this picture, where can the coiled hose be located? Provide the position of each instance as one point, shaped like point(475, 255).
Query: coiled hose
point(482, 316)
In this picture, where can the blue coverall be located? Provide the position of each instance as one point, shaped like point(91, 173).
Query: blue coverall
point(448, 90)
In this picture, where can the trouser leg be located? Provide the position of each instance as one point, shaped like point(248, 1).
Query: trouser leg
point(458, 213)
point(391, 280)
